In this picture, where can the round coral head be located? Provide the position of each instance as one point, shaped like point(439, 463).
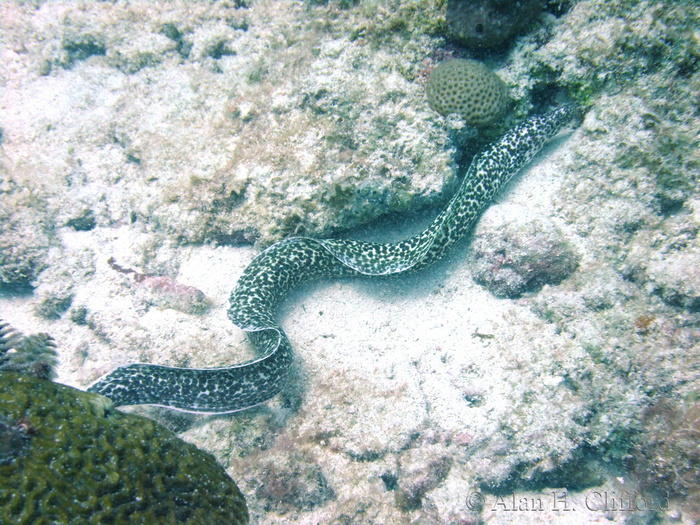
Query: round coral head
point(467, 88)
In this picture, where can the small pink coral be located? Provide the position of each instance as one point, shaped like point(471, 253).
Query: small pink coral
point(166, 292)
point(463, 439)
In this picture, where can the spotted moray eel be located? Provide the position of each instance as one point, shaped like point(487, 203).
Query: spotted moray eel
point(291, 262)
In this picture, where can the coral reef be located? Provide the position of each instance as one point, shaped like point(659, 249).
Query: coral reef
point(182, 150)
point(602, 46)
point(55, 287)
point(73, 459)
point(484, 24)
point(222, 124)
point(76, 47)
point(511, 258)
point(468, 88)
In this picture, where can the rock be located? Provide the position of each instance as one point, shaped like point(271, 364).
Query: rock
point(483, 24)
point(512, 258)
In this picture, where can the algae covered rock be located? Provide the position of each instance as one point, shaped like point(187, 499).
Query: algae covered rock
point(67, 457)
point(24, 241)
point(485, 24)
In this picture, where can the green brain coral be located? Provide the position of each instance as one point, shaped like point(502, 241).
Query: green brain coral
point(468, 88)
point(67, 457)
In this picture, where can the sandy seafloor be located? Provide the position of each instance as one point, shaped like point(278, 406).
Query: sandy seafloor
point(183, 153)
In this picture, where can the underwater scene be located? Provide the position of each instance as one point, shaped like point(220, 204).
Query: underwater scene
point(350, 262)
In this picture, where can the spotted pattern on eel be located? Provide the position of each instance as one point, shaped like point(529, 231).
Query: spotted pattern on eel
point(291, 262)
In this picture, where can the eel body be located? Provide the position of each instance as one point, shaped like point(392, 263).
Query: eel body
point(297, 260)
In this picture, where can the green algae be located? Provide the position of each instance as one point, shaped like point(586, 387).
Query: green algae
point(82, 462)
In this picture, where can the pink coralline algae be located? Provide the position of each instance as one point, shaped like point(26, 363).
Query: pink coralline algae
point(166, 292)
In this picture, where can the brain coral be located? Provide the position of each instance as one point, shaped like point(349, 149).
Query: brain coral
point(468, 88)
point(481, 24)
point(65, 457)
